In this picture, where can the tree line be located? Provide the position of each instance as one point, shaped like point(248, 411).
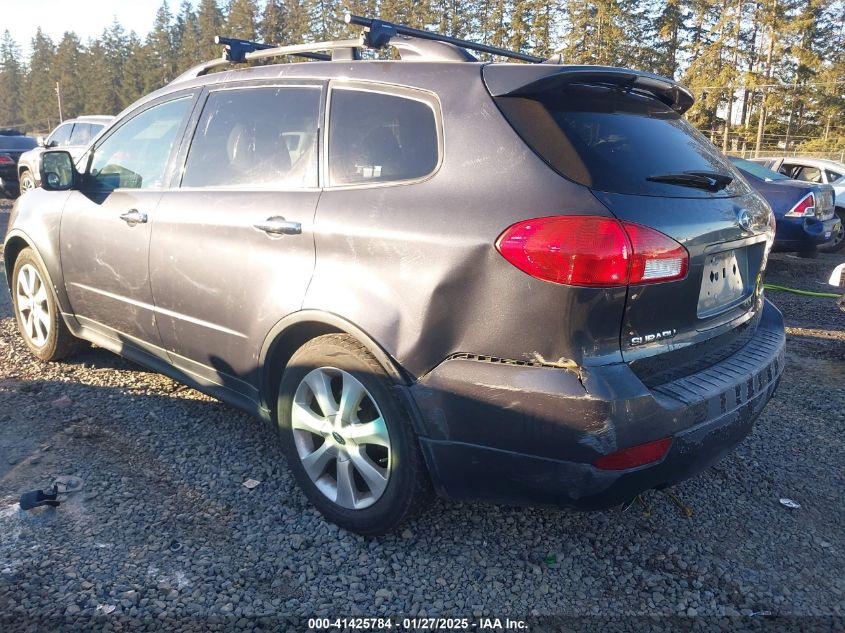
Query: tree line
point(767, 74)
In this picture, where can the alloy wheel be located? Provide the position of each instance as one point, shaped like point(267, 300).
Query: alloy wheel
point(27, 182)
point(341, 438)
point(33, 307)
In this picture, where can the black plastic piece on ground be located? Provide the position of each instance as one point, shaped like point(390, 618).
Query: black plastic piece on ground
point(36, 498)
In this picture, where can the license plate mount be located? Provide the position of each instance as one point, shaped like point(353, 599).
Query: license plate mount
point(722, 283)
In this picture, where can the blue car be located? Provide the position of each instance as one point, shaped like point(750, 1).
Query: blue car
point(804, 211)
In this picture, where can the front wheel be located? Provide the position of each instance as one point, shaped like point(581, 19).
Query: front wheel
point(27, 181)
point(347, 437)
point(837, 242)
point(37, 312)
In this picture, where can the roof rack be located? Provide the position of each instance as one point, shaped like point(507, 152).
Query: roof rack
point(378, 34)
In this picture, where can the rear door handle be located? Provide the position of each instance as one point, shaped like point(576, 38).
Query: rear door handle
point(277, 225)
point(133, 217)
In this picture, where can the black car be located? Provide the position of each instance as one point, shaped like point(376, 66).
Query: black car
point(12, 145)
point(804, 211)
point(523, 283)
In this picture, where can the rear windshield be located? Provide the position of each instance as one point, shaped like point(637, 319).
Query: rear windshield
point(16, 142)
point(756, 169)
point(611, 140)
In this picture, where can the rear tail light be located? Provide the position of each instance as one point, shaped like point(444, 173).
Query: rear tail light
point(634, 456)
point(5, 159)
point(804, 209)
point(585, 250)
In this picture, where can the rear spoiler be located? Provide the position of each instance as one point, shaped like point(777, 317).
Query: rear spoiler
point(514, 80)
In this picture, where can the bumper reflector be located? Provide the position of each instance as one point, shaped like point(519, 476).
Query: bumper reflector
point(634, 456)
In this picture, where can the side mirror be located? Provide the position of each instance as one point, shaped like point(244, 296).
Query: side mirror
point(838, 276)
point(40, 141)
point(57, 171)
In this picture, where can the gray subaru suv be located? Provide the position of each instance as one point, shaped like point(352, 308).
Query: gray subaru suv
point(526, 283)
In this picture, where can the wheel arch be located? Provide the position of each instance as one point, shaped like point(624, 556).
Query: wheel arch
point(289, 334)
point(13, 247)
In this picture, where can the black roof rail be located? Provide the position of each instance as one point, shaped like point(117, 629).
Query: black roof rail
point(379, 32)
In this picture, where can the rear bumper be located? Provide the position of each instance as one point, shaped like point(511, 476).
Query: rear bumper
point(798, 233)
point(529, 435)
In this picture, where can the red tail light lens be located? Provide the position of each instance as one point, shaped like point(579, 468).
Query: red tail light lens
point(5, 159)
point(584, 250)
point(804, 209)
point(657, 257)
point(634, 456)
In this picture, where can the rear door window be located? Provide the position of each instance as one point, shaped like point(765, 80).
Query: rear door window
point(256, 137)
point(377, 138)
point(612, 140)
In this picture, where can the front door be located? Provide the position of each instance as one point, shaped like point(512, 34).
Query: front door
point(232, 249)
point(106, 224)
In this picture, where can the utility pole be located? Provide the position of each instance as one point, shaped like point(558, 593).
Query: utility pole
point(59, 97)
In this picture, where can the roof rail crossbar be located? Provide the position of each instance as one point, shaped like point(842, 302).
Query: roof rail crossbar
point(237, 50)
point(379, 34)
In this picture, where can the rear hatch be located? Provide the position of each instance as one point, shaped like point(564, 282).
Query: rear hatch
point(622, 134)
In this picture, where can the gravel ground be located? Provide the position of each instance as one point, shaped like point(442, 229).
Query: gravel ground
point(164, 534)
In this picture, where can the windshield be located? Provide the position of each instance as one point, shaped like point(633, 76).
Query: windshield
point(757, 170)
point(616, 141)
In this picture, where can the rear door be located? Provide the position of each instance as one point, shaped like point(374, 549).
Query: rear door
point(649, 166)
point(105, 231)
point(232, 249)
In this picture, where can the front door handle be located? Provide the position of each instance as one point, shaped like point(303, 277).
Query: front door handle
point(277, 225)
point(133, 217)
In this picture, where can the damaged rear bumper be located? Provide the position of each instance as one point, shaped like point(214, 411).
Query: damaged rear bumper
point(522, 434)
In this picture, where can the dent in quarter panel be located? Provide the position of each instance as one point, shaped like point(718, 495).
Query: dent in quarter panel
point(415, 265)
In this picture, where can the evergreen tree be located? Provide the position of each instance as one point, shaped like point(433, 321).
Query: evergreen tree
point(241, 20)
point(11, 81)
point(209, 25)
point(67, 72)
point(272, 27)
point(39, 108)
point(159, 51)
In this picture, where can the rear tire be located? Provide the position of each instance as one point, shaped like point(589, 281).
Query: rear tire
point(837, 242)
point(37, 313)
point(27, 181)
point(347, 437)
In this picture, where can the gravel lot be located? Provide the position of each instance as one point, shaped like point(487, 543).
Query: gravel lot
point(164, 532)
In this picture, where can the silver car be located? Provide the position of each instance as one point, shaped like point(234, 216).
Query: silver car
point(72, 135)
point(815, 170)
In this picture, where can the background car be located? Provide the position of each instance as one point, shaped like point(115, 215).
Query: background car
point(12, 145)
point(803, 210)
point(72, 135)
point(816, 170)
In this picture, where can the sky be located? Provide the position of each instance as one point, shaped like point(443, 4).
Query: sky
point(87, 18)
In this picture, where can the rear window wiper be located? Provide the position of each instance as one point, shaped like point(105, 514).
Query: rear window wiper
point(709, 180)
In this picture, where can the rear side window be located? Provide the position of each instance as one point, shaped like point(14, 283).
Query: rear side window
point(832, 176)
point(256, 137)
point(804, 172)
point(376, 138)
point(613, 141)
point(81, 134)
